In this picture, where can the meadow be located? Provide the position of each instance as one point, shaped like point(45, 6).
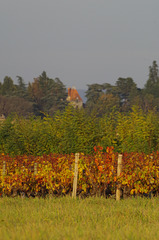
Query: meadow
point(67, 218)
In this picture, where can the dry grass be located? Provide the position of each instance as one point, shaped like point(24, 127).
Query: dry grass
point(92, 218)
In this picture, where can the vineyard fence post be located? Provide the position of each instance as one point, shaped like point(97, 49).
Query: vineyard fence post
point(75, 176)
point(35, 168)
point(119, 170)
point(4, 168)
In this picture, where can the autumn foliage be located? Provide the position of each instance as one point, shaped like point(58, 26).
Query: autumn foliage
point(97, 174)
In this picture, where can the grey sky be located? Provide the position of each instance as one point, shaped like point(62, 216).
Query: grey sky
point(80, 41)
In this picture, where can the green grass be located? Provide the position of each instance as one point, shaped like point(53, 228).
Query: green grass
point(92, 218)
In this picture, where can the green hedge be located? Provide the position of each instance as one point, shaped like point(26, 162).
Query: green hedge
point(76, 131)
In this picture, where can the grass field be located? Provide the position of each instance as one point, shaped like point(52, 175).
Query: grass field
point(92, 218)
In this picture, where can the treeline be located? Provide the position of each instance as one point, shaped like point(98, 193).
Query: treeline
point(101, 98)
point(43, 95)
point(74, 130)
point(47, 96)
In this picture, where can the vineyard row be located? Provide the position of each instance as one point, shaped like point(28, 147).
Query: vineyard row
point(97, 174)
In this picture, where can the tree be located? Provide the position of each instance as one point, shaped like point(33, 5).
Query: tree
point(48, 95)
point(137, 131)
point(21, 90)
point(152, 84)
point(13, 104)
point(8, 87)
point(106, 103)
point(127, 90)
point(76, 131)
point(57, 97)
point(92, 94)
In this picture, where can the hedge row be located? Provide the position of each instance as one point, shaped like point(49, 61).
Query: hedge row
point(75, 131)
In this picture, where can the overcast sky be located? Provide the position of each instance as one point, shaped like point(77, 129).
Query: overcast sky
point(80, 41)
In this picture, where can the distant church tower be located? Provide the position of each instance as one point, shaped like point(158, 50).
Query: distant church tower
point(74, 98)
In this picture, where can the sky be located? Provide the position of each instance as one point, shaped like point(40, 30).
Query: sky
point(79, 41)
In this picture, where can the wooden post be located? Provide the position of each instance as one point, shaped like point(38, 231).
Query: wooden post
point(35, 168)
point(4, 169)
point(119, 170)
point(75, 176)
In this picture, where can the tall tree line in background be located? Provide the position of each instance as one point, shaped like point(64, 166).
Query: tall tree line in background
point(102, 98)
point(43, 95)
point(47, 96)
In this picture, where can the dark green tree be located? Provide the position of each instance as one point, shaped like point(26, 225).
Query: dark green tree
point(8, 87)
point(21, 90)
point(152, 84)
point(92, 94)
point(127, 90)
point(48, 95)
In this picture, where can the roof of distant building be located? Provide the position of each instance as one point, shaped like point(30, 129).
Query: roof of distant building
point(73, 94)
